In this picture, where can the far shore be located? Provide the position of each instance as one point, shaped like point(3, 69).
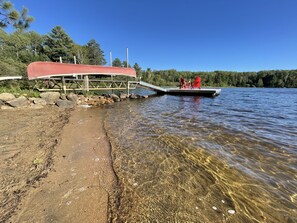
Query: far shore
point(56, 166)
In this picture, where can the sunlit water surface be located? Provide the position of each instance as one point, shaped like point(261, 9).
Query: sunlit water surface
point(232, 158)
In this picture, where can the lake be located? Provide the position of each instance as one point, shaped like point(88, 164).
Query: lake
point(232, 158)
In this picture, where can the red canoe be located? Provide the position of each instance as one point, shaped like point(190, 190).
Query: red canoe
point(51, 69)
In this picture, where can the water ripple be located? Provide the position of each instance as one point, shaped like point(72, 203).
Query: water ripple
point(194, 159)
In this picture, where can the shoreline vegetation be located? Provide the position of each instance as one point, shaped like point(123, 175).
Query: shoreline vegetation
point(20, 48)
point(56, 158)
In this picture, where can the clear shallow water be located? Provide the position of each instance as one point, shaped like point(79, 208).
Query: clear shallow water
point(232, 158)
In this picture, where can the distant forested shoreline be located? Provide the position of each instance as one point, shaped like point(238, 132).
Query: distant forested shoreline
point(269, 79)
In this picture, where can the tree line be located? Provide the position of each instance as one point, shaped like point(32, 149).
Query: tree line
point(270, 78)
point(19, 48)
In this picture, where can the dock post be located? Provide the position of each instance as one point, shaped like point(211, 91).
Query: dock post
point(127, 57)
point(112, 83)
point(87, 83)
point(128, 87)
point(63, 85)
point(74, 59)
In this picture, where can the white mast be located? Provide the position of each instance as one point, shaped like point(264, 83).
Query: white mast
point(110, 58)
point(127, 60)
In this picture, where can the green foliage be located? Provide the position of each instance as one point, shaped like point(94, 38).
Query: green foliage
point(124, 64)
point(81, 53)
point(272, 78)
point(116, 62)
point(58, 44)
point(138, 70)
point(10, 16)
point(94, 53)
point(18, 49)
point(18, 88)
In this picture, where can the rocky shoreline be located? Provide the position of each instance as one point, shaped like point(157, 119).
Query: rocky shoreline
point(9, 101)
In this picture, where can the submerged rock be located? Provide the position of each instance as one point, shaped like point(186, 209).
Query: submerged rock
point(133, 96)
point(65, 104)
point(231, 211)
point(214, 208)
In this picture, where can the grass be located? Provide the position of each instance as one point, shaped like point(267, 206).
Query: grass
point(18, 88)
point(16, 91)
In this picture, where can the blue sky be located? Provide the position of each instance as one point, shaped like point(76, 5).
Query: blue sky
point(193, 35)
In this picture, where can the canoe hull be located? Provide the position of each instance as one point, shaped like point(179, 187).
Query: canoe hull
point(37, 70)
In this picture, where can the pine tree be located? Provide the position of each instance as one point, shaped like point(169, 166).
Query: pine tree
point(59, 44)
point(116, 62)
point(124, 64)
point(137, 69)
point(10, 16)
point(95, 54)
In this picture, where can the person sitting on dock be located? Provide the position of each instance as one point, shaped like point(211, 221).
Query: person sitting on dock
point(197, 83)
point(182, 83)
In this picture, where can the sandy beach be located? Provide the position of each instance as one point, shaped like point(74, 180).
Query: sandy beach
point(55, 166)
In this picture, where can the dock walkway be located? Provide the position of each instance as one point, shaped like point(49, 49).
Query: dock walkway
point(210, 92)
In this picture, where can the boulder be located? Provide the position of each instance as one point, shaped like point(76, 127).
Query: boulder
point(109, 101)
point(65, 104)
point(50, 97)
point(101, 101)
point(63, 97)
point(114, 97)
point(96, 101)
point(123, 96)
point(80, 99)
point(19, 102)
point(6, 97)
point(72, 97)
point(39, 101)
point(133, 96)
point(2, 102)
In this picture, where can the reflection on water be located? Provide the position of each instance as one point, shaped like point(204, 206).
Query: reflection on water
point(190, 159)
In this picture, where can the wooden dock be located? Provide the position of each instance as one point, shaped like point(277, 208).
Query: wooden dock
point(209, 92)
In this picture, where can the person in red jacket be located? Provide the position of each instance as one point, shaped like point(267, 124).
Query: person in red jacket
point(197, 83)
